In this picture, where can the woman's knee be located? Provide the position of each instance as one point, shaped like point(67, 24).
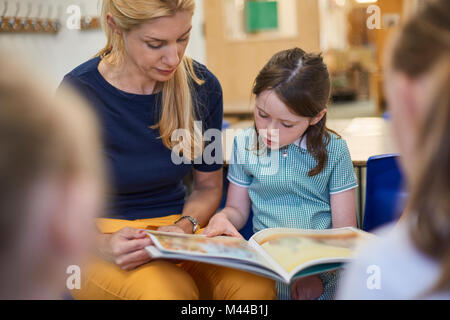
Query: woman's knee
point(157, 280)
point(162, 280)
point(230, 284)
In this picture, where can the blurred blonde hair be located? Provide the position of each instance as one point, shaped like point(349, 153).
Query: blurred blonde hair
point(423, 48)
point(177, 100)
point(40, 137)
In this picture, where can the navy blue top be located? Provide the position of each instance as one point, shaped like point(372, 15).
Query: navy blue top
point(145, 181)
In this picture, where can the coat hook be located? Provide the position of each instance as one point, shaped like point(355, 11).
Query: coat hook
point(56, 25)
point(13, 20)
point(35, 21)
point(45, 20)
point(25, 21)
point(2, 17)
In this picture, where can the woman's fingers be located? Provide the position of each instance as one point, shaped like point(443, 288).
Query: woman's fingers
point(132, 233)
point(136, 244)
point(136, 264)
point(229, 231)
point(133, 258)
point(173, 229)
point(127, 246)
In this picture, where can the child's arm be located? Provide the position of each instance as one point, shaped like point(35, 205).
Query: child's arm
point(343, 209)
point(233, 216)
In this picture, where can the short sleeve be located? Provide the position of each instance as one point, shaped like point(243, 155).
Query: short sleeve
point(69, 82)
point(342, 175)
point(210, 111)
point(236, 169)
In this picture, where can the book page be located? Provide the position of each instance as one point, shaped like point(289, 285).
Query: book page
point(296, 249)
point(199, 245)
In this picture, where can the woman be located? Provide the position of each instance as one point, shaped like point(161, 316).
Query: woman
point(145, 89)
point(412, 261)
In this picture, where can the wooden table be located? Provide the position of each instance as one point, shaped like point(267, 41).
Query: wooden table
point(365, 137)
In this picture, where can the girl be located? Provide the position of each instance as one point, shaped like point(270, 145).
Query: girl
point(413, 259)
point(311, 182)
point(51, 185)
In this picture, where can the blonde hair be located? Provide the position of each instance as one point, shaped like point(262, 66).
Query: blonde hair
point(177, 100)
point(41, 137)
point(423, 48)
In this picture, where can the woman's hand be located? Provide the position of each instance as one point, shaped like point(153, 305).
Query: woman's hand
point(220, 225)
point(172, 228)
point(126, 248)
point(307, 288)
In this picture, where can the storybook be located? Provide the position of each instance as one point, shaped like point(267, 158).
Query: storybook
point(276, 253)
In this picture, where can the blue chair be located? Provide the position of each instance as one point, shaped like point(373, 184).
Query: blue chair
point(225, 124)
point(385, 195)
point(247, 230)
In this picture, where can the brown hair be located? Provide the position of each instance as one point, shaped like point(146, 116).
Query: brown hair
point(423, 48)
point(302, 82)
point(177, 110)
point(40, 137)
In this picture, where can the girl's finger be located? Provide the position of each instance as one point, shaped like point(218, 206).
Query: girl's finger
point(232, 232)
point(211, 232)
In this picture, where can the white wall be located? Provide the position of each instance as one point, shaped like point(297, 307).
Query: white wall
point(333, 25)
point(197, 47)
point(58, 54)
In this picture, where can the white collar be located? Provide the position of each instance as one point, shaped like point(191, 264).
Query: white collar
point(303, 144)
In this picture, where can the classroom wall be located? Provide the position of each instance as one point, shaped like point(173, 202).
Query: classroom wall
point(60, 53)
point(381, 36)
point(236, 63)
point(333, 26)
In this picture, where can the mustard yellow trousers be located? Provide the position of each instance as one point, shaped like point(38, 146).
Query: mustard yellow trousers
point(164, 280)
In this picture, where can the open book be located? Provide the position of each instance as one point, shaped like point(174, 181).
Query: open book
point(277, 253)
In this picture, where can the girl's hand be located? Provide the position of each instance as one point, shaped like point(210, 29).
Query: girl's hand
point(307, 288)
point(126, 248)
point(219, 225)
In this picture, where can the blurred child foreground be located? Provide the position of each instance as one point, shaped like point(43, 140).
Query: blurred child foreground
point(51, 185)
point(412, 260)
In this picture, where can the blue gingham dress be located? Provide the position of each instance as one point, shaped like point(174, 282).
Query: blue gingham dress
point(282, 193)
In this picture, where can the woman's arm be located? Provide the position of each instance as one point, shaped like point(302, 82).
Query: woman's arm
point(343, 208)
point(203, 201)
point(233, 216)
point(126, 247)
